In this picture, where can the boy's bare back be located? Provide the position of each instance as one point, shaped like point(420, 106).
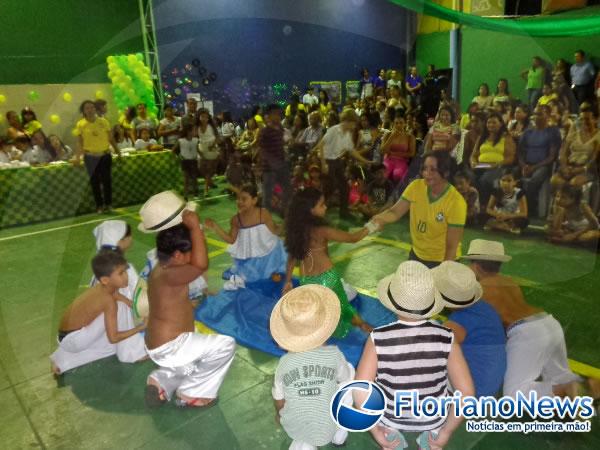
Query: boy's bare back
point(171, 312)
point(85, 308)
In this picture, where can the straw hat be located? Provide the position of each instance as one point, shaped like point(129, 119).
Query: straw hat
point(305, 317)
point(410, 292)
point(457, 284)
point(163, 210)
point(480, 249)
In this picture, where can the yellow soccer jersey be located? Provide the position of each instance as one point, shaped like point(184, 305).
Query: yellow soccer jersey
point(431, 217)
point(94, 134)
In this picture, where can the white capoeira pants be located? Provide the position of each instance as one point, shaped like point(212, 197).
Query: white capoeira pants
point(193, 364)
point(536, 357)
point(91, 343)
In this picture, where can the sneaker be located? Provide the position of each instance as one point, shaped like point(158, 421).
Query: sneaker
point(516, 231)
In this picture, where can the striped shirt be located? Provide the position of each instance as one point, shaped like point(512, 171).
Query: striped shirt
point(412, 356)
point(272, 155)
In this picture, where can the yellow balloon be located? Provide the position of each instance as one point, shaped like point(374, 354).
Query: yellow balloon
point(67, 97)
point(2, 98)
point(55, 118)
point(99, 94)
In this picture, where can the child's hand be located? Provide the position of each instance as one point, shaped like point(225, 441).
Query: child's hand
point(210, 224)
point(190, 219)
point(287, 287)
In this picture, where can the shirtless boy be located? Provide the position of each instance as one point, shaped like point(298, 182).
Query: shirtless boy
point(90, 327)
point(192, 365)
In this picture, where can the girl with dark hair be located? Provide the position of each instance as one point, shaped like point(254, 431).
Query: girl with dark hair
point(437, 212)
point(574, 221)
point(495, 148)
point(398, 148)
point(207, 147)
point(367, 87)
point(257, 251)
point(502, 92)
point(444, 135)
point(15, 128)
point(126, 122)
point(483, 97)
point(520, 123)
point(29, 121)
point(61, 151)
point(95, 142)
point(306, 239)
point(40, 151)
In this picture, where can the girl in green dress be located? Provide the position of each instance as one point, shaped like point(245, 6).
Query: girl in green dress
point(306, 240)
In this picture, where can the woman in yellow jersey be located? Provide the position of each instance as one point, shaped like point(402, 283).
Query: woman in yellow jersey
point(95, 142)
point(437, 213)
point(495, 149)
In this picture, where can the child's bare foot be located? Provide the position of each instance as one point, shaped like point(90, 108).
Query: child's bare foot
point(184, 401)
point(55, 370)
point(570, 390)
point(155, 395)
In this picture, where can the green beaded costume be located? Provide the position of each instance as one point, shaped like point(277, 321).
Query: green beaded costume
point(332, 280)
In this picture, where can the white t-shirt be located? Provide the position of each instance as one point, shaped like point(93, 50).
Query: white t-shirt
point(188, 148)
point(140, 144)
point(125, 143)
point(170, 126)
point(336, 142)
point(206, 141)
point(4, 157)
point(36, 155)
point(227, 129)
point(310, 99)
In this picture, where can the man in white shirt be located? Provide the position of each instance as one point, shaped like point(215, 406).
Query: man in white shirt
point(310, 98)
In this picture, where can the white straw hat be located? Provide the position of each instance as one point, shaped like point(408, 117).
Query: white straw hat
point(163, 210)
point(457, 284)
point(305, 317)
point(410, 292)
point(483, 250)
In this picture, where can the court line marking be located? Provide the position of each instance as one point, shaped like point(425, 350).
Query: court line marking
point(79, 224)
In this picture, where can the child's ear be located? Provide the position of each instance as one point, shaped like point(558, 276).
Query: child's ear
point(104, 281)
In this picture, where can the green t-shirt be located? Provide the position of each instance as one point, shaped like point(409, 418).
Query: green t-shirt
point(535, 78)
point(307, 381)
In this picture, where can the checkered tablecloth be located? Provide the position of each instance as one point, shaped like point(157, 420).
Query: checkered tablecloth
point(38, 194)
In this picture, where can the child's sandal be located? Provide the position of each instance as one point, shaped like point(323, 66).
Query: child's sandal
point(194, 403)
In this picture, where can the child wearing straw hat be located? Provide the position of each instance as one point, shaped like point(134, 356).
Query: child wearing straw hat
point(476, 326)
point(307, 377)
point(535, 350)
point(413, 353)
point(192, 366)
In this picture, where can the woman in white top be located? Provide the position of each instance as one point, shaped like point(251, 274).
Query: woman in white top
point(121, 137)
point(207, 147)
point(228, 137)
point(62, 152)
point(169, 127)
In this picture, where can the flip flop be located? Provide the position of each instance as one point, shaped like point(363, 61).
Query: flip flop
point(154, 396)
point(194, 403)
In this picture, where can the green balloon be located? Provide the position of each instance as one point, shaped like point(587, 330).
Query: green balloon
point(33, 96)
point(139, 56)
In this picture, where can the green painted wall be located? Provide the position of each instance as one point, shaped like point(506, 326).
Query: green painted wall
point(58, 41)
point(488, 56)
point(434, 49)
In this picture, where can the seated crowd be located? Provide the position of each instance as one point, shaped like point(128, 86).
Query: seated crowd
point(513, 160)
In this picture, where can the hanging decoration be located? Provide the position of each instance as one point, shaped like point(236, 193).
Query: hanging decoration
point(534, 27)
point(131, 82)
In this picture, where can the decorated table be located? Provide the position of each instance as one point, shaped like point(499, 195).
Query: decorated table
point(39, 194)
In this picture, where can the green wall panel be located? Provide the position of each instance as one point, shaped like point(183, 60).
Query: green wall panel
point(62, 41)
point(434, 49)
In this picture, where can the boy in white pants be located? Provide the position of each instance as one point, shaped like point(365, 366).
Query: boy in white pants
point(192, 365)
point(536, 353)
point(91, 328)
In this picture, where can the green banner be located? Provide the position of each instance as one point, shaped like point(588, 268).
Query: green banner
point(39, 194)
point(552, 26)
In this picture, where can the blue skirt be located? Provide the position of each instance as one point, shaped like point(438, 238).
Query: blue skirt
point(260, 268)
